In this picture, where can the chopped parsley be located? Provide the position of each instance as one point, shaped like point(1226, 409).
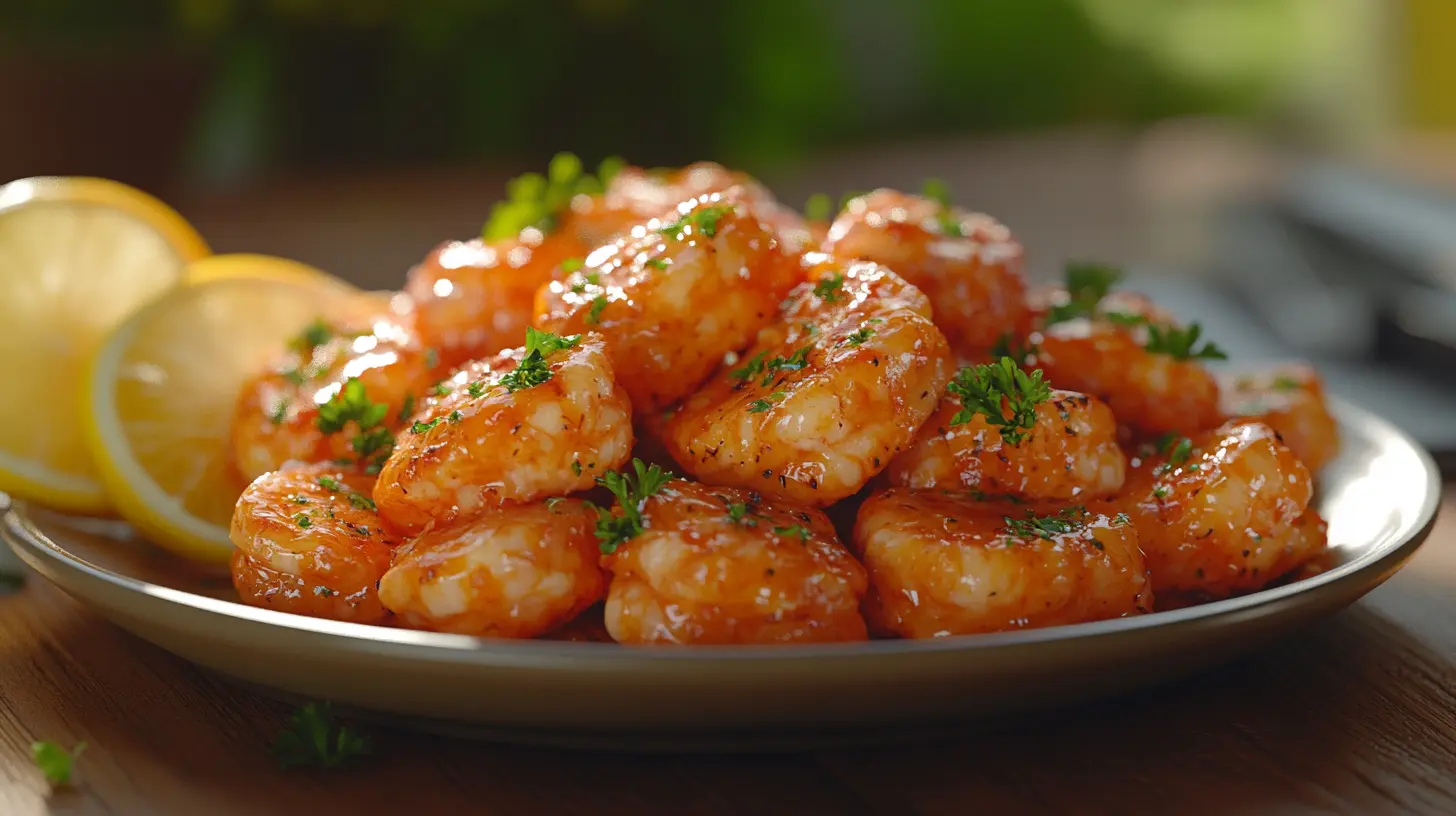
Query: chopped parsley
point(572, 264)
point(532, 370)
point(759, 406)
point(576, 467)
point(1121, 520)
point(313, 737)
point(829, 289)
point(594, 315)
point(56, 763)
point(819, 207)
point(796, 530)
point(1160, 492)
point(704, 219)
point(423, 427)
point(351, 404)
point(407, 407)
point(441, 389)
point(991, 389)
point(1178, 448)
point(454, 417)
point(632, 491)
point(1284, 382)
point(534, 200)
point(799, 359)
point(859, 336)
point(313, 335)
point(361, 501)
point(303, 521)
point(1182, 344)
point(324, 592)
point(1087, 284)
point(659, 263)
point(1034, 526)
point(476, 389)
point(330, 483)
point(750, 369)
point(938, 191)
point(744, 513)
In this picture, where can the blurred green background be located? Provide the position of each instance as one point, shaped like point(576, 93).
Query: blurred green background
point(222, 92)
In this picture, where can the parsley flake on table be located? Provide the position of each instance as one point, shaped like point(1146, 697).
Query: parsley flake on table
point(1181, 344)
point(829, 289)
point(1034, 526)
point(990, 390)
point(56, 763)
point(533, 370)
point(704, 220)
point(314, 737)
point(632, 490)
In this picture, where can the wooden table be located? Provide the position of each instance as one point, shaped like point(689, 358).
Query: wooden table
point(1356, 715)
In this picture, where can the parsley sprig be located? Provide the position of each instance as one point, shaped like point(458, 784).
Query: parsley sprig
point(55, 762)
point(314, 737)
point(828, 289)
point(1087, 284)
point(986, 389)
point(533, 370)
point(632, 490)
point(1182, 344)
point(374, 442)
point(704, 220)
point(938, 191)
point(534, 200)
point(1059, 523)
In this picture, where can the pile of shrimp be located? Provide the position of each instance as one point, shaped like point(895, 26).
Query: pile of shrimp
point(659, 406)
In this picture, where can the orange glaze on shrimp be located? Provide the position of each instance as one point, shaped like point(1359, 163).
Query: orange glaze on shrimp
point(475, 298)
point(831, 391)
point(715, 565)
point(1290, 399)
point(1219, 512)
point(1151, 393)
point(949, 565)
point(1070, 453)
point(276, 418)
point(675, 296)
point(309, 542)
point(967, 263)
point(515, 572)
point(481, 445)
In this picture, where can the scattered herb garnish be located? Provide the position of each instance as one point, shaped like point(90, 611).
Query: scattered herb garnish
point(991, 389)
point(351, 404)
point(828, 289)
point(1121, 520)
point(407, 407)
point(1182, 344)
point(324, 592)
point(704, 219)
point(1160, 492)
point(938, 191)
point(313, 737)
point(532, 370)
point(750, 369)
point(1177, 448)
point(594, 315)
point(631, 490)
point(1284, 382)
point(863, 333)
point(796, 530)
point(819, 207)
point(799, 359)
point(759, 406)
point(454, 417)
point(476, 389)
point(303, 521)
point(572, 264)
point(741, 512)
point(422, 427)
point(313, 335)
point(56, 763)
point(441, 389)
point(1087, 284)
point(576, 467)
point(1034, 526)
point(279, 412)
point(658, 263)
point(534, 200)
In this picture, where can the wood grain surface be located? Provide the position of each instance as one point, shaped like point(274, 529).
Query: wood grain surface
point(1354, 715)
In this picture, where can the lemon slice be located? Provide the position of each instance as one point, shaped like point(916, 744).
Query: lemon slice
point(265, 267)
point(77, 255)
point(160, 396)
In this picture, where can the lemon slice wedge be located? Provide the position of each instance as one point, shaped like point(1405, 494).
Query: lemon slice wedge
point(77, 255)
point(160, 397)
point(264, 267)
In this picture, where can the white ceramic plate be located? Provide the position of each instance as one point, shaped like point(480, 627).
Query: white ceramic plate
point(1380, 498)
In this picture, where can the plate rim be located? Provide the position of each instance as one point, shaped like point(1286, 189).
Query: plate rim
point(42, 554)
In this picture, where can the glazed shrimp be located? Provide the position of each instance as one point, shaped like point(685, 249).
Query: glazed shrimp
point(1069, 452)
point(634, 196)
point(1291, 400)
point(529, 423)
point(719, 565)
point(967, 263)
point(1102, 345)
point(831, 391)
point(474, 298)
point(309, 542)
point(675, 296)
point(1219, 512)
point(317, 402)
point(949, 565)
point(515, 572)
